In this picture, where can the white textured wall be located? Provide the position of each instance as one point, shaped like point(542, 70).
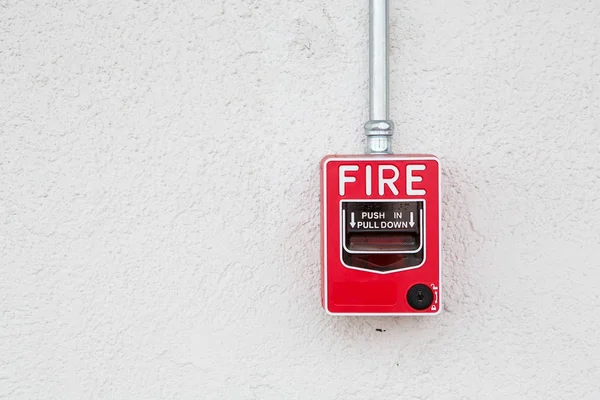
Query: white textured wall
point(159, 198)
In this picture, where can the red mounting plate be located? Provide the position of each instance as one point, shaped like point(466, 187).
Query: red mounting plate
point(391, 255)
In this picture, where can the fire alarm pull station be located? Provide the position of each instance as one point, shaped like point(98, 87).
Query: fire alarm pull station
point(380, 213)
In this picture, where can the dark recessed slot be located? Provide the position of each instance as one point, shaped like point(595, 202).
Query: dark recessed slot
point(383, 242)
point(384, 262)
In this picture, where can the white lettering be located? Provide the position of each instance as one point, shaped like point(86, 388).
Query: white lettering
point(388, 181)
point(346, 179)
point(410, 179)
point(373, 215)
point(368, 187)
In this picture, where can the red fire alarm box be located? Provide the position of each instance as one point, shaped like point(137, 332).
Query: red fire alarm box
point(381, 234)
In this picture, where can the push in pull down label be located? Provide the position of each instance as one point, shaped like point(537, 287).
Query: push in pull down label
point(383, 216)
point(382, 235)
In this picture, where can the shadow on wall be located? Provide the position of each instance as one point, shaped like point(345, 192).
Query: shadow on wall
point(461, 242)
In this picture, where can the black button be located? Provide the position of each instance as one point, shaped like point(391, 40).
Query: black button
point(419, 296)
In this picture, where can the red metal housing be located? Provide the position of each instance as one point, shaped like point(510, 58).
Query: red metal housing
point(381, 234)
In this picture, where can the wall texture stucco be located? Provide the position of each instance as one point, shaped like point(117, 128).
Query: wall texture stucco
point(159, 198)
